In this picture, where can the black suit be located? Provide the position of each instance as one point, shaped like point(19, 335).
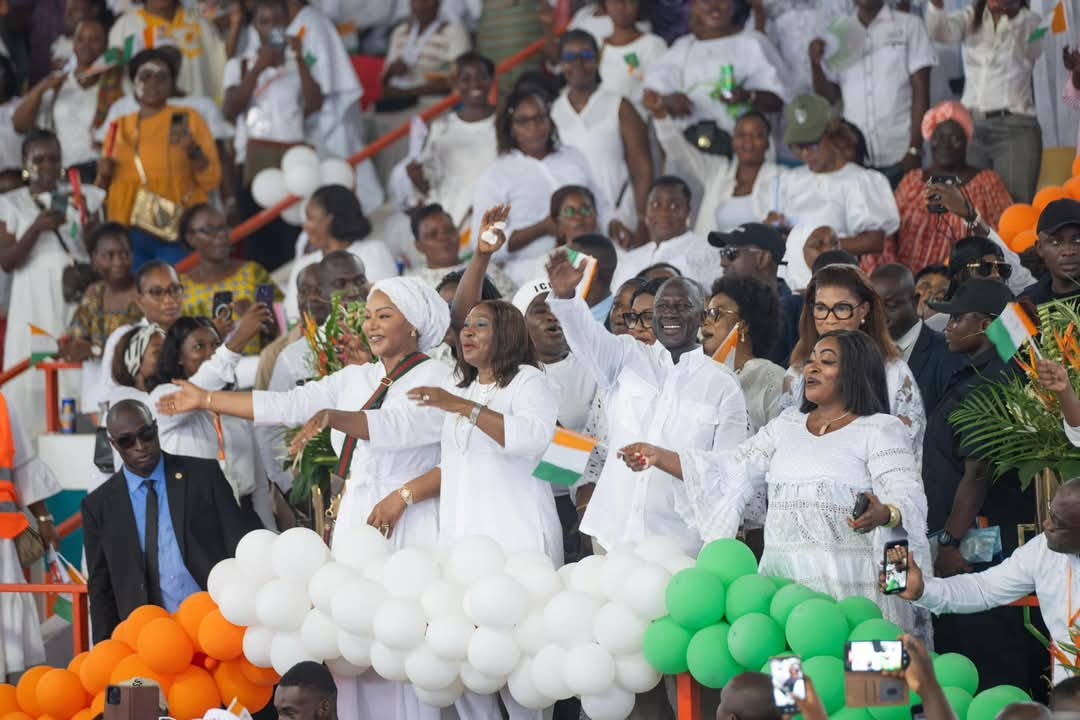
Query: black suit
point(207, 521)
point(933, 365)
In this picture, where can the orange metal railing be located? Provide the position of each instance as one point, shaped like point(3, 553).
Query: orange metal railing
point(80, 625)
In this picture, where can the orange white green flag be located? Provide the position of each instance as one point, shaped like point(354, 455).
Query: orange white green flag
point(1009, 331)
point(588, 264)
point(42, 345)
point(1055, 23)
point(725, 354)
point(565, 459)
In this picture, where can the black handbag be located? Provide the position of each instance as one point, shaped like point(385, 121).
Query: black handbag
point(708, 137)
point(103, 454)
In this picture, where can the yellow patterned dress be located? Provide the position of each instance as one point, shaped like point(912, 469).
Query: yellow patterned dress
point(199, 297)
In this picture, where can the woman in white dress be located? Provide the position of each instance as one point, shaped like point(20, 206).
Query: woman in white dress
point(404, 317)
point(814, 461)
point(626, 50)
point(839, 297)
point(37, 241)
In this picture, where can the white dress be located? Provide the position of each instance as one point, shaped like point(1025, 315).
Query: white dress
point(37, 297)
point(596, 132)
point(622, 67)
point(276, 110)
point(812, 484)
point(70, 114)
point(762, 383)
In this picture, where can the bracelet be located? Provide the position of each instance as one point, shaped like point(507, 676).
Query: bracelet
point(42, 519)
point(209, 399)
point(894, 516)
point(975, 220)
point(475, 414)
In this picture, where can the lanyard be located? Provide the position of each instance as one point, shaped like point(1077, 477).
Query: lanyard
point(220, 437)
point(1071, 618)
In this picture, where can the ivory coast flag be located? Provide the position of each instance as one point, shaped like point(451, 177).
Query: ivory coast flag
point(1009, 330)
point(42, 345)
point(1056, 23)
point(725, 354)
point(579, 260)
point(566, 457)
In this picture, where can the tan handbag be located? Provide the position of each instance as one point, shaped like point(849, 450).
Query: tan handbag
point(151, 212)
point(29, 546)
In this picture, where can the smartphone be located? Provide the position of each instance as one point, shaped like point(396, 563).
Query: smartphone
point(223, 303)
point(896, 566)
point(917, 712)
point(862, 501)
point(59, 203)
point(874, 656)
point(936, 207)
point(178, 120)
point(277, 38)
point(788, 683)
point(265, 294)
point(132, 703)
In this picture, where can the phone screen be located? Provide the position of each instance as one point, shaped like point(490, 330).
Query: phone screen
point(917, 712)
point(223, 303)
point(59, 203)
point(874, 656)
point(788, 682)
point(265, 294)
point(896, 566)
point(178, 119)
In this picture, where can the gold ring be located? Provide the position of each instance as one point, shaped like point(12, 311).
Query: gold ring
point(425, 397)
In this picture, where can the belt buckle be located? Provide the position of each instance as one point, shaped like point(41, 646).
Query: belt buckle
point(386, 382)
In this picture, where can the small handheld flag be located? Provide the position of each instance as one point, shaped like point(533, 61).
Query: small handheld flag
point(565, 459)
point(588, 262)
point(725, 354)
point(42, 345)
point(1009, 331)
point(1055, 24)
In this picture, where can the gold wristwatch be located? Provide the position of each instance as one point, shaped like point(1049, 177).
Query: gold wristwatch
point(406, 495)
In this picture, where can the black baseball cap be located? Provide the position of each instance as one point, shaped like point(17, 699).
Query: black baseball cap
point(757, 234)
point(980, 295)
point(1057, 215)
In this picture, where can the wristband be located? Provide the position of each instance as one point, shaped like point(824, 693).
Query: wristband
point(42, 519)
point(475, 414)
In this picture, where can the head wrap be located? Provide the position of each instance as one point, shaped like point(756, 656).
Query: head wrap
point(947, 110)
point(528, 292)
point(136, 347)
point(421, 306)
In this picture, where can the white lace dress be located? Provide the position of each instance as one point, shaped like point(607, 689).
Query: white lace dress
point(812, 483)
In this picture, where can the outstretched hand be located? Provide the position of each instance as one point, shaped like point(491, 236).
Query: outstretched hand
point(916, 585)
point(1052, 376)
point(311, 428)
point(189, 397)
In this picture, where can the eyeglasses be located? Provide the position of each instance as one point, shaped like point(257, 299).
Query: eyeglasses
point(211, 230)
point(582, 55)
point(731, 252)
point(803, 147)
point(632, 318)
point(713, 314)
point(572, 212)
point(174, 291)
point(841, 310)
point(986, 268)
point(145, 434)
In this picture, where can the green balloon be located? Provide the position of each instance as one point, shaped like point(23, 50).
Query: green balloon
point(826, 597)
point(664, 646)
point(875, 630)
point(779, 582)
point(709, 659)
point(816, 627)
point(987, 704)
point(956, 670)
point(785, 600)
point(959, 699)
point(695, 598)
point(851, 713)
point(754, 638)
point(728, 558)
point(828, 675)
point(748, 594)
point(858, 609)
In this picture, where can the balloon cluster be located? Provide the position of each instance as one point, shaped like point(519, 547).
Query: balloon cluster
point(194, 655)
point(1017, 224)
point(301, 173)
point(447, 620)
point(723, 619)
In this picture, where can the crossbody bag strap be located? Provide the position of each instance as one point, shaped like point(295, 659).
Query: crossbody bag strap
point(375, 402)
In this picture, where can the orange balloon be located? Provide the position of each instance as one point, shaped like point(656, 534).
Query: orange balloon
point(232, 684)
point(1076, 166)
point(142, 615)
point(191, 613)
point(26, 690)
point(1072, 186)
point(133, 666)
point(1023, 240)
point(60, 693)
point(76, 662)
point(97, 705)
point(124, 632)
point(46, 717)
point(8, 701)
point(17, 715)
point(1016, 218)
point(193, 693)
point(99, 664)
point(84, 714)
point(1048, 195)
point(164, 646)
point(260, 677)
point(220, 638)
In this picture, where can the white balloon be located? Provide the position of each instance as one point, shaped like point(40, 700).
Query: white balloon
point(252, 552)
point(441, 698)
point(238, 604)
point(408, 572)
point(374, 572)
point(257, 642)
point(448, 636)
point(587, 575)
point(547, 672)
point(390, 664)
point(617, 567)
point(298, 553)
point(399, 624)
point(224, 573)
point(530, 633)
point(355, 649)
point(634, 673)
point(480, 683)
point(325, 583)
point(287, 650)
point(618, 629)
point(336, 171)
point(566, 572)
point(302, 181)
point(524, 690)
point(359, 546)
point(281, 605)
point(644, 591)
point(268, 187)
point(658, 548)
point(443, 597)
point(678, 563)
point(474, 557)
point(612, 704)
point(589, 669)
point(569, 616)
point(428, 671)
point(294, 214)
point(343, 668)
point(523, 558)
point(298, 156)
point(354, 604)
point(540, 581)
point(319, 633)
point(493, 652)
point(498, 601)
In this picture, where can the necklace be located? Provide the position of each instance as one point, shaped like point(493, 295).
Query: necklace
point(828, 423)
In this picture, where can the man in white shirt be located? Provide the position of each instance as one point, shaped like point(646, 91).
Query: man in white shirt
point(886, 89)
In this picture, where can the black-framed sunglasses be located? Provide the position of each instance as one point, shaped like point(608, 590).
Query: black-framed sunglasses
point(145, 434)
point(985, 268)
point(633, 318)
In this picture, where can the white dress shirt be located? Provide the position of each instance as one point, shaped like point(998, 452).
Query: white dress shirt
point(997, 60)
point(455, 154)
point(695, 403)
point(689, 252)
point(877, 85)
point(276, 110)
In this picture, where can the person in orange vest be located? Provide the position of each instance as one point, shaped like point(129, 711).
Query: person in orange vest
point(25, 483)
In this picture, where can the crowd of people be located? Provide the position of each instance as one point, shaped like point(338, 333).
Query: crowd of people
point(752, 255)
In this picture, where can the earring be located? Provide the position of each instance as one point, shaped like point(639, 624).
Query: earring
point(412, 333)
point(742, 334)
point(25, 174)
point(863, 321)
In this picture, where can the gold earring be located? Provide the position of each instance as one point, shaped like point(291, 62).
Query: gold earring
point(25, 174)
point(412, 332)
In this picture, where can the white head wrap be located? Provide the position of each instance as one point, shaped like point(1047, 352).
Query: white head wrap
point(528, 292)
point(421, 305)
point(136, 347)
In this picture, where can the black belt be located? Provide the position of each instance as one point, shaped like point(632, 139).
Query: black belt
point(997, 114)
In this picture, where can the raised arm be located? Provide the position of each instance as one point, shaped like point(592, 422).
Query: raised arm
point(470, 288)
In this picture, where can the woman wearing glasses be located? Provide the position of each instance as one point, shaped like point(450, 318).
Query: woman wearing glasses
point(973, 257)
point(638, 320)
point(573, 210)
point(839, 297)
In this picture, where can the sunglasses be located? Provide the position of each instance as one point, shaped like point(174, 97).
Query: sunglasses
point(174, 291)
point(986, 268)
point(572, 212)
point(713, 314)
point(632, 318)
point(583, 55)
point(145, 434)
